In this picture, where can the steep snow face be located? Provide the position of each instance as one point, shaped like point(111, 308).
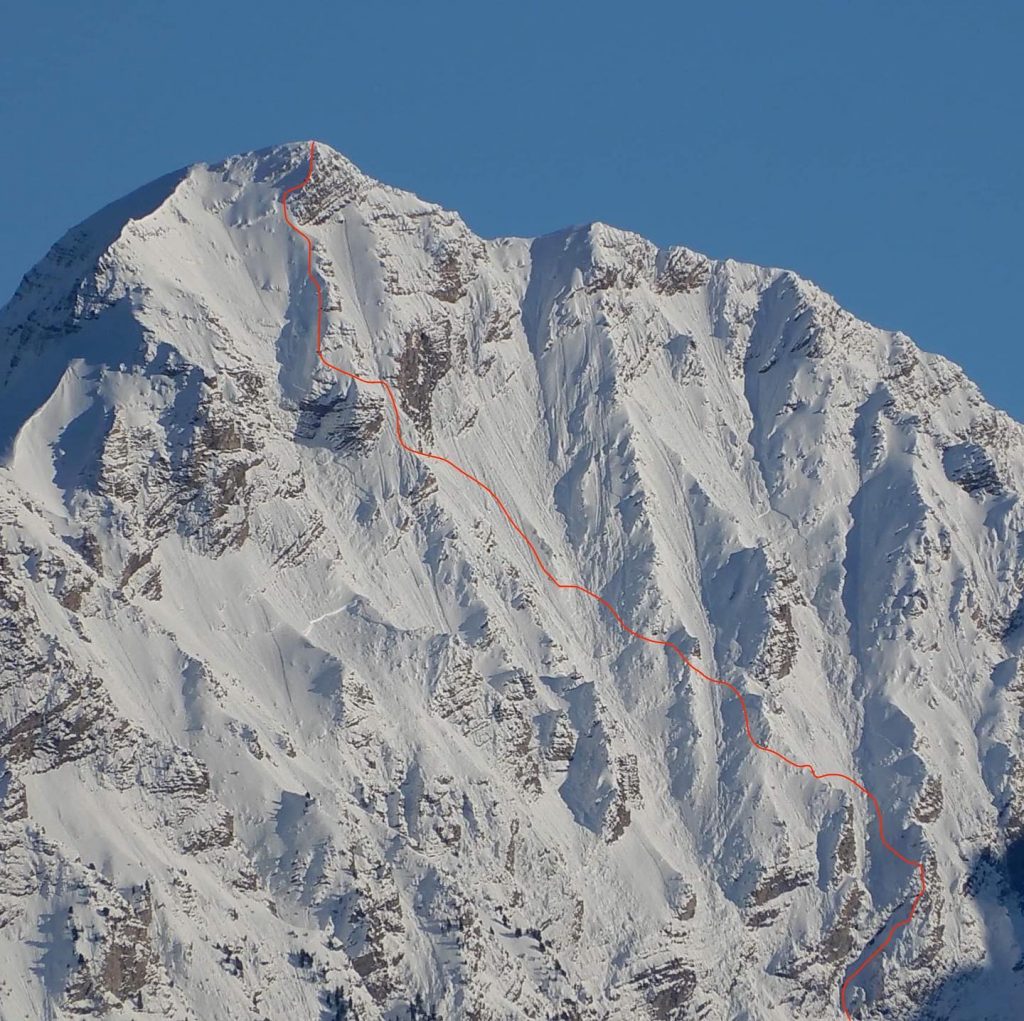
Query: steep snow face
point(291, 725)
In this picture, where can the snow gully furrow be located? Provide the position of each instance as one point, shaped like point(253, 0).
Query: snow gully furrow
point(569, 586)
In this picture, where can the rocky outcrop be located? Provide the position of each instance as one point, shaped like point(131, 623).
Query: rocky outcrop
point(317, 694)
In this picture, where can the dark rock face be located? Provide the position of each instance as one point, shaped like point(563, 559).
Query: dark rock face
point(846, 849)
point(929, 804)
point(616, 819)
point(346, 423)
point(669, 990)
point(452, 275)
point(972, 469)
point(13, 800)
point(423, 363)
point(682, 271)
point(219, 834)
point(776, 883)
point(781, 645)
point(841, 940)
point(129, 957)
point(337, 184)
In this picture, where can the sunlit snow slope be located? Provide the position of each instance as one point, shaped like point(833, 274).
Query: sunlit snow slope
point(292, 727)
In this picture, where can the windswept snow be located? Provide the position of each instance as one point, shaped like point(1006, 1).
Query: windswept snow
point(284, 710)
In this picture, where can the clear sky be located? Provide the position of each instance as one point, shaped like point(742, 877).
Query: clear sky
point(875, 146)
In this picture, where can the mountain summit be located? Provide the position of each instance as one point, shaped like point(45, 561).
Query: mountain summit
point(291, 725)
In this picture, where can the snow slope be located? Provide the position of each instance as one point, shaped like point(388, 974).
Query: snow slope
point(285, 711)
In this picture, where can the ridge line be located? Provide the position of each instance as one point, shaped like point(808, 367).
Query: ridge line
point(570, 586)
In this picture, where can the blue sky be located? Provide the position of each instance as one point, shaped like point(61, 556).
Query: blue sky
point(875, 147)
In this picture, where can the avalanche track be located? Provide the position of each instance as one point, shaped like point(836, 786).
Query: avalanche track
point(568, 586)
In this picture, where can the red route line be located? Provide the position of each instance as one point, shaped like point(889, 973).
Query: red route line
point(383, 383)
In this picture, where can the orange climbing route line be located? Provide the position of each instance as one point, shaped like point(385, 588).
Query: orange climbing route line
point(571, 587)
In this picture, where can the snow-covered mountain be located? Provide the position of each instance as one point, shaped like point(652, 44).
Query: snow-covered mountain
point(292, 726)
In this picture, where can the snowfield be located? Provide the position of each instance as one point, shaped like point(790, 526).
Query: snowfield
point(292, 726)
